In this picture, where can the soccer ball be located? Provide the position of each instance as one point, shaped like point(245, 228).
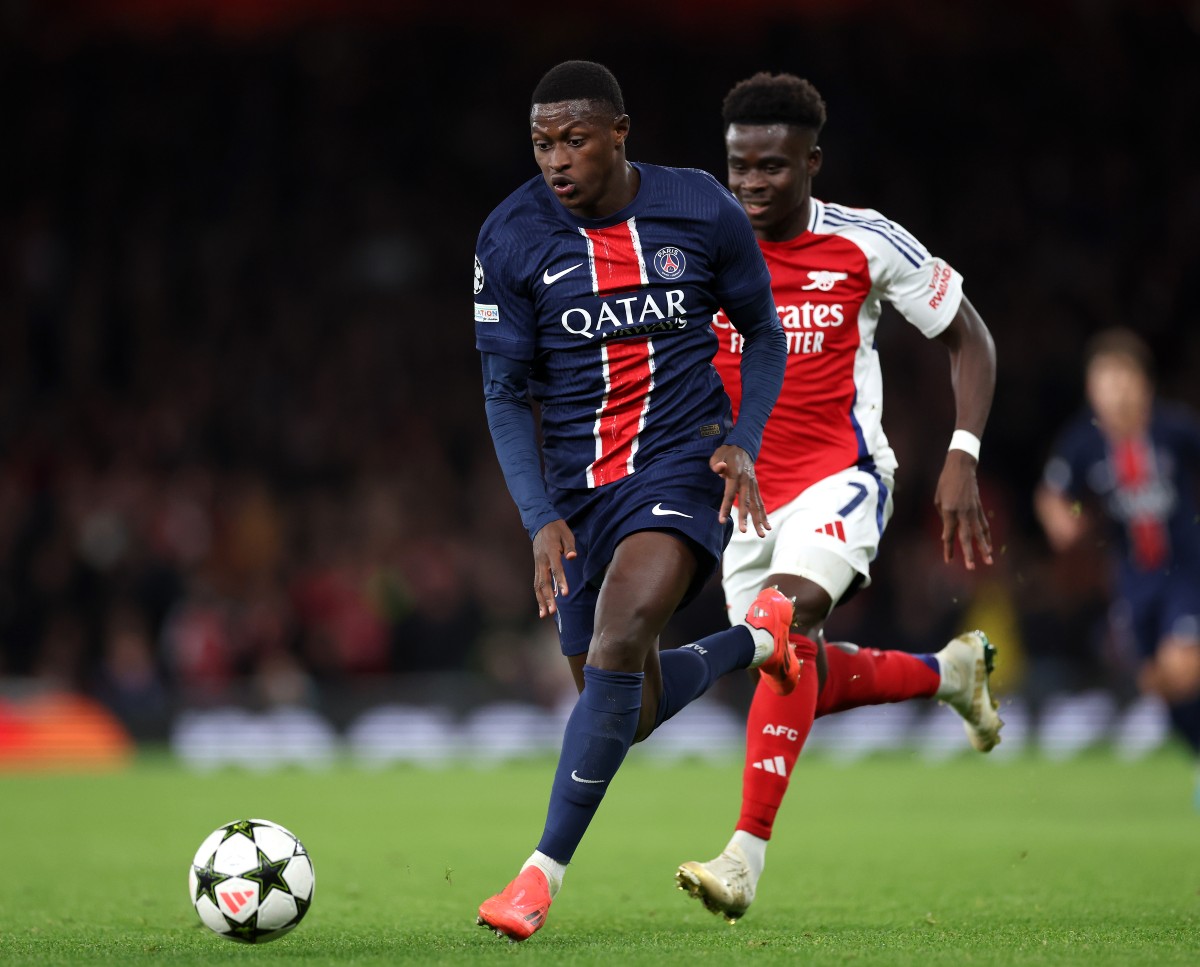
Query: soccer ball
point(251, 881)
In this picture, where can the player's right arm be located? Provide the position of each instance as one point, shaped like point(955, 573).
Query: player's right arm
point(514, 435)
point(506, 337)
point(1056, 501)
point(1061, 518)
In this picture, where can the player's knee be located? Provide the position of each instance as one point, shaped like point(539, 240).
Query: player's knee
point(1177, 671)
point(620, 650)
point(812, 602)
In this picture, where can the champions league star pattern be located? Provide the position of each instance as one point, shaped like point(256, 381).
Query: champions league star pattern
point(613, 316)
point(829, 284)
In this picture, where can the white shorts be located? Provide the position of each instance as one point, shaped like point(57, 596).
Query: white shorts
point(829, 534)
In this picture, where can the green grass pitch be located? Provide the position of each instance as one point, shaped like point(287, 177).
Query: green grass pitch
point(890, 861)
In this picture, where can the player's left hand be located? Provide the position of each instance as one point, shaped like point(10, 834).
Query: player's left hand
point(734, 464)
point(963, 518)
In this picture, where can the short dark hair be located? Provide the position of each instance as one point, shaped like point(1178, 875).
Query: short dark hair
point(579, 80)
point(1119, 341)
point(774, 99)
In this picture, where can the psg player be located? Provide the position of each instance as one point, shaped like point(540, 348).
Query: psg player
point(595, 286)
point(825, 469)
point(1128, 467)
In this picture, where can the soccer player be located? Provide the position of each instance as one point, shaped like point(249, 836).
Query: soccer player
point(825, 470)
point(1131, 465)
point(595, 285)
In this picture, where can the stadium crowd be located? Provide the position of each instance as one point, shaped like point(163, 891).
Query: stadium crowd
point(242, 442)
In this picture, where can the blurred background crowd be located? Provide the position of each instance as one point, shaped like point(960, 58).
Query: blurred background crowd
point(242, 443)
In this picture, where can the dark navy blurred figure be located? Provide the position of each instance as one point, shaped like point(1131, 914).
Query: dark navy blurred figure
point(594, 286)
point(1134, 462)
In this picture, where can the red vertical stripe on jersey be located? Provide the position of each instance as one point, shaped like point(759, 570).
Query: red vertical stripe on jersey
point(628, 380)
point(1133, 461)
point(616, 257)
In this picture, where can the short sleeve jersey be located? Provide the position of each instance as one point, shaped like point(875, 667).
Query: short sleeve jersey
point(613, 317)
point(829, 284)
point(1145, 487)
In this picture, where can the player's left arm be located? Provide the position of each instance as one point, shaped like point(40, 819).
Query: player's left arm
point(764, 359)
point(973, 378)
point(743, 289)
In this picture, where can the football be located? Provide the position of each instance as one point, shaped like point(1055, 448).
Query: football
point(251, 881)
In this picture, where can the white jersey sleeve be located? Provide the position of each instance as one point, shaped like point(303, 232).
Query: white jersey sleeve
point(926, 290)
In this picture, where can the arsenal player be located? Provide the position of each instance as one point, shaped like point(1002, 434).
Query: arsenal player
point(595, 283)
point(825, 470)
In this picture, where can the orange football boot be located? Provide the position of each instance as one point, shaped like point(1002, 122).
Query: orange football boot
point(772, 611)
point(520, 909)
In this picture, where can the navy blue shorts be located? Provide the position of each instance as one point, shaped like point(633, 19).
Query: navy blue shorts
point(1153, 609)
point(678, 492)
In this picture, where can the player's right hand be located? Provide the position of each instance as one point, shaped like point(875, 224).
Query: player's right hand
point(551, 545)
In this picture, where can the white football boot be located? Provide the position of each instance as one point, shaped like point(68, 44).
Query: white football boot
point(725, 885)
point(966, 663)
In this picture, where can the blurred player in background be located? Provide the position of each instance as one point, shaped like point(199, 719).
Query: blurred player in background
point(594, 286)
point(1131, 465)
point(826, 471)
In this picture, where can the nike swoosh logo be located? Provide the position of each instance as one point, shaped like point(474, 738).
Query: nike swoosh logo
point(590, 782)
point(551, 279)
point(657, 511)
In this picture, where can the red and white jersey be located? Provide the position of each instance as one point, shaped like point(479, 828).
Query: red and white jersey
point(829, 284)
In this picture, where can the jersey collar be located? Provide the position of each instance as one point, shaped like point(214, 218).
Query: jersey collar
point(816, 212)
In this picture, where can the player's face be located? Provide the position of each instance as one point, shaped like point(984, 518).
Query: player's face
point(581, 151)
point(1120, 395)
point(771, 168)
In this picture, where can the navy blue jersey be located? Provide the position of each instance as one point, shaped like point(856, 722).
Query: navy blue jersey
point(613, 316)
point(1146, 487)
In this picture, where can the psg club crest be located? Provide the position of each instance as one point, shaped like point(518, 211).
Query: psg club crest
point(669, 262)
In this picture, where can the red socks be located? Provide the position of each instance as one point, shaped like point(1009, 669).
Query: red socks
point(775, 733)
point(868, 676)
point(778, 725)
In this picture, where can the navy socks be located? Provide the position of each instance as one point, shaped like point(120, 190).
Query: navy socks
point(598, 734)
point(603, 724)
point(688, 672)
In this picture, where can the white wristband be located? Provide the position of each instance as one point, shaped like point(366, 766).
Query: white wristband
point(966, 441)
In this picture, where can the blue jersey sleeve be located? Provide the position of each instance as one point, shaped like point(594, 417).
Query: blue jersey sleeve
point(764, 360)
point(741, 269)
point(504, 316)
point(1067, 464)
point(514, 435)
point(743, 287)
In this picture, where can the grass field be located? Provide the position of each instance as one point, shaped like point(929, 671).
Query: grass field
point(887, 861)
